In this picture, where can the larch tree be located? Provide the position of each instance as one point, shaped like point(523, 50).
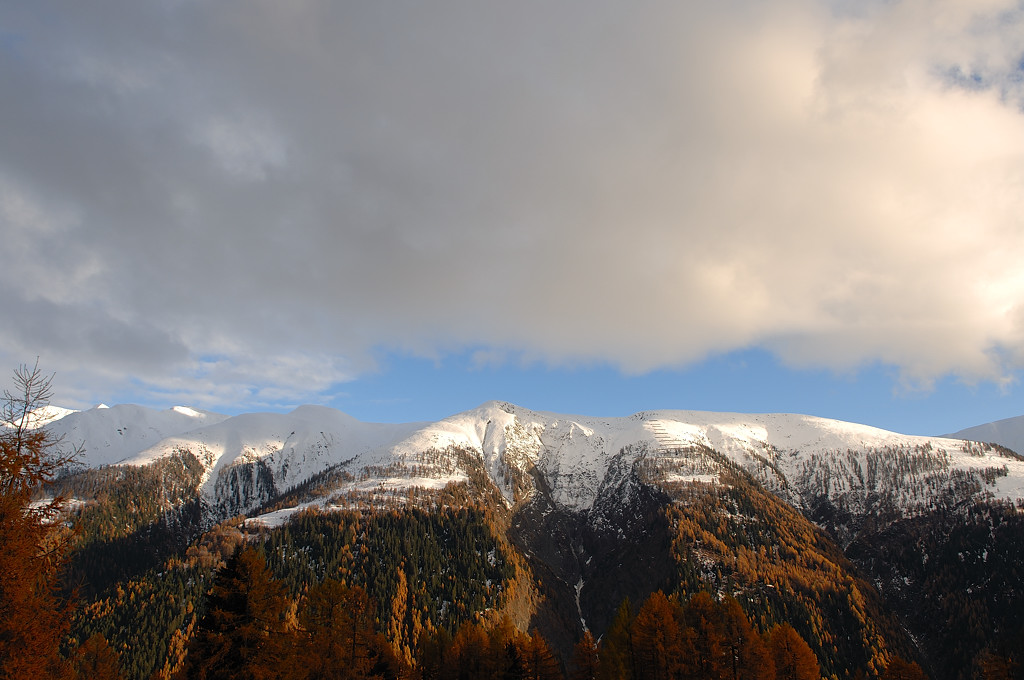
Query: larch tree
point(901, 669)
point(747, 657)
point(793, 657)
point(34, 618)
point(398, 630)
point(585, 663)
point(538, 661)
point(704, 637)
point(657, 640)
point(95, 660)
point(432, 653)
point(468, 657)
point(338, 624)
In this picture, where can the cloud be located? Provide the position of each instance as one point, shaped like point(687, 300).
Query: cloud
point(244, 150)
point(643, 184)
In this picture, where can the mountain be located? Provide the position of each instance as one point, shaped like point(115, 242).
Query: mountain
point(802, 459)
point(859, 537)
point(42, 416)
point(1008, 432)
point(109, 435)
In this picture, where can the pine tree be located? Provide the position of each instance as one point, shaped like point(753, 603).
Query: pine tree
point(616, 651)
point(33, 618)
point(243, 634)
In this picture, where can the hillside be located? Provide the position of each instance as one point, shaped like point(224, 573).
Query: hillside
point(800, 458)
point(813, 522)
point(1008, 432)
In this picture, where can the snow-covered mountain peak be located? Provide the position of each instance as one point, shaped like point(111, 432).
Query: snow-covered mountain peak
point(43, 416)
point(287, 448)
point(568, 458)
point(114, 434)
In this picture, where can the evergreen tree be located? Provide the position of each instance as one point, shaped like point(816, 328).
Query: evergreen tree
point(243, 634)
point(616, 651)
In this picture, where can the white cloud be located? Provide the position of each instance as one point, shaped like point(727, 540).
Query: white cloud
point(641, 183)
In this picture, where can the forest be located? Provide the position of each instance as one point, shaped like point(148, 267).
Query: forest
point(133, 583)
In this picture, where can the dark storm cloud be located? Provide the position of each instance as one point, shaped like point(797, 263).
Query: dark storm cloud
point(80, 336)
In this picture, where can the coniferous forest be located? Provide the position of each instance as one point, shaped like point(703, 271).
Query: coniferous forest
point(721, 582)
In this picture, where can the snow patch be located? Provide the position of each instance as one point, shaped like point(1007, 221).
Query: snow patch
point(704, 479)
point(186, 411)
point(795, 456)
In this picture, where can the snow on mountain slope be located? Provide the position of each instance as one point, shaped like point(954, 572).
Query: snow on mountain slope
point(110, 435)
point(1008, 432)
point(43, 416)
point(292, 447)
point(571, 459)
point(802, 458)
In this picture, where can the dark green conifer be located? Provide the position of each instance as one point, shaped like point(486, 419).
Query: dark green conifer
point(244, 633)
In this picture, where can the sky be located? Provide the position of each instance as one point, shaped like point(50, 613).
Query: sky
point(404, 209)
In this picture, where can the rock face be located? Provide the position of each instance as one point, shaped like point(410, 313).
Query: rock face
point(604, 509)
point(816, 465)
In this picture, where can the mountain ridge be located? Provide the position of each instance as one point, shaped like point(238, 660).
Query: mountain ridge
point(796, 515)
point(801, 458)
point(1008, 432)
